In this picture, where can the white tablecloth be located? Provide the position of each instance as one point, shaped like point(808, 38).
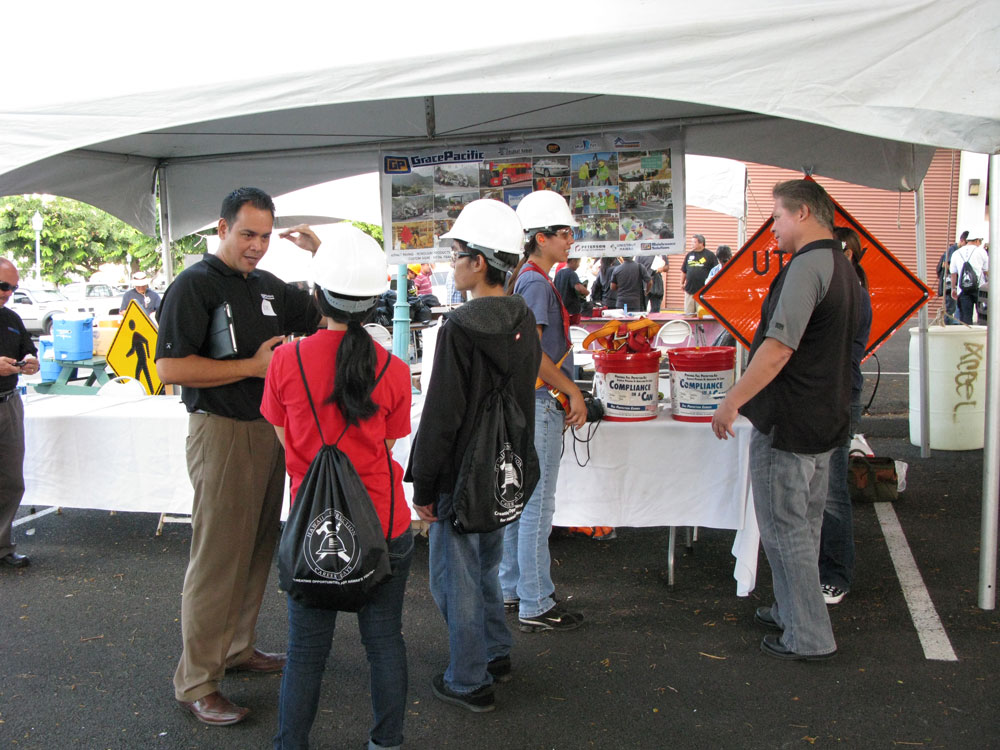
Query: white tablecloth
point(111, 453)
point(128, 455)
point(663, 472)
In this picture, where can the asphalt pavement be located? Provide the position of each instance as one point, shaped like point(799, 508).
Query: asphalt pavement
point(91, 636)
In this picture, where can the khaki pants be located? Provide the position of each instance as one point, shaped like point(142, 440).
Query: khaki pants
point(238, 472)
point(690, 304)
point(11, 468)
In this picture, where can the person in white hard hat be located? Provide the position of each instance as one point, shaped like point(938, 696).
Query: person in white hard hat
point(488, 339)
point(525, 572)
point(341, 363)
point(145, 297)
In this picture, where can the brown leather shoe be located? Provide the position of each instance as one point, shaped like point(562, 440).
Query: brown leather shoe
point(261, 662)
point(216, 709)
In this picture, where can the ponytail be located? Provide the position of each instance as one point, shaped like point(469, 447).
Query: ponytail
point(354, 379)
point(530, 248)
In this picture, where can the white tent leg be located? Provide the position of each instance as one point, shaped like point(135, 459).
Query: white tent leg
point(168, 266)
point(925, 409)
point(991, 450)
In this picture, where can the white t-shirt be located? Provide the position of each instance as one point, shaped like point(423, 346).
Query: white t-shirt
point(977, 258)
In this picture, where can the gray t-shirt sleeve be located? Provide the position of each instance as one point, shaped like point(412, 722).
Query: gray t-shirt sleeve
point(806, 283)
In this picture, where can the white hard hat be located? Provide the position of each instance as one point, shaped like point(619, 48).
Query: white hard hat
point(349, 263)
point(544, 209)
point(492, 228)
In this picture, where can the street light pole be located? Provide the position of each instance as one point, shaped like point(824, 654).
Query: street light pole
point(36, 224)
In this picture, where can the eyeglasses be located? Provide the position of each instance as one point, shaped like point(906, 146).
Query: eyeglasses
point(456, 256)
point(7, 287)
point(566, 233)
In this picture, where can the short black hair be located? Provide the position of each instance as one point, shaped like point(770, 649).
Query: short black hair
point(233, 202)
point(964, 236)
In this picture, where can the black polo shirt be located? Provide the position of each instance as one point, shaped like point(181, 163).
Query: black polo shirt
point(15, 342)
point(262, 305)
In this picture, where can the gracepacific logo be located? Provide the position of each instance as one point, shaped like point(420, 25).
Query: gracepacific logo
point(331, 546)
point(396, 165)
point(509, 474)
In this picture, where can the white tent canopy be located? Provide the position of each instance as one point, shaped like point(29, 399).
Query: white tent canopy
point(849, 89)
point(852, 90)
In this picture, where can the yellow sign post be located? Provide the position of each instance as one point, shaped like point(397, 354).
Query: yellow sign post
point(132, 351)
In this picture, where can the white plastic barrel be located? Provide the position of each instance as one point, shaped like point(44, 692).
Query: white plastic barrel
point(956, 357)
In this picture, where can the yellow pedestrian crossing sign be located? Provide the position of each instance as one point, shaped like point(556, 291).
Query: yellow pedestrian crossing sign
point(133, 348)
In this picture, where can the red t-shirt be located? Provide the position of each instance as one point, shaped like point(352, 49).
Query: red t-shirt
point(285, 405)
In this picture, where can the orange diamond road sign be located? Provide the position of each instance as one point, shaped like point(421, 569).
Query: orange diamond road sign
point(735, 295)
point(132, 350)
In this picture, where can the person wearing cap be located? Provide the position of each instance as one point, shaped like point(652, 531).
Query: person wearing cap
point(979, 261)
point(491, 335)
point(341, 365)
point(235, 461)
point(145, 297)
point(422, 281)
point(525, 572)
point(18, 356)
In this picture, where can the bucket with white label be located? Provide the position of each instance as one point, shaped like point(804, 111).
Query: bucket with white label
point(627, 384)
point(700, 376)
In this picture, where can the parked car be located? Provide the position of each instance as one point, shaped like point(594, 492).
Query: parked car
point(102, 298)
point(37, 306)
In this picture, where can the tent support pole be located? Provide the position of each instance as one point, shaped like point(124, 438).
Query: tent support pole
point(991, 450)
point(401, 318)
point(921, 237)
point(161, 190)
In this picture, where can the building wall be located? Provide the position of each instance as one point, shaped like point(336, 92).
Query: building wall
point(887, 215)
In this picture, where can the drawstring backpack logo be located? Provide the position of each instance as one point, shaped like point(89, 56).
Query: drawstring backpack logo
point(509, 474)
point(331, 546)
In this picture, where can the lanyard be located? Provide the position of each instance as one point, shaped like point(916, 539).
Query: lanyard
point(531, 266)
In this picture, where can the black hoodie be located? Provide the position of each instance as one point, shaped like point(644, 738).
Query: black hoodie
point(478, 345)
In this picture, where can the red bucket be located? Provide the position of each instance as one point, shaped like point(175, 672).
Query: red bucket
point(627, 384)
point(700, 376)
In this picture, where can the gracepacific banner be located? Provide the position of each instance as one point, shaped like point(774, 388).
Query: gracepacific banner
point(626, 191)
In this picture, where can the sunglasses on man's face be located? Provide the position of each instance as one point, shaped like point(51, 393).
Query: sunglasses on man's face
point(7, 287)
point(455, 257)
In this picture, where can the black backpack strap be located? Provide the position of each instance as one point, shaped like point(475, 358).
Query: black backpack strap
point(305, 384)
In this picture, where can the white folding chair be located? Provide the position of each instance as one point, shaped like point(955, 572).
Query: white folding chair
point(581, 357)
point(672, 333)
point(380, 334)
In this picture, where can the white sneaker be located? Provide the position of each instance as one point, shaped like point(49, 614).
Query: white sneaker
point(831, 594)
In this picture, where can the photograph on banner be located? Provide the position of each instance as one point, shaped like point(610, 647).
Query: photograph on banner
point(621, 189)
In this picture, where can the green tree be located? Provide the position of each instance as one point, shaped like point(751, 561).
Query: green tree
point(374, 230)
point(77, 238)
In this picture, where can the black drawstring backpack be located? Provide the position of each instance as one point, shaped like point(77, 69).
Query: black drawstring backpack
point(499, 468)
point(332, 553)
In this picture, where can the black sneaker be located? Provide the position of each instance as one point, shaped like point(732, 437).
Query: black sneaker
point(511, 605)
point(500, 669)
point(480, 700)
point(556, 618)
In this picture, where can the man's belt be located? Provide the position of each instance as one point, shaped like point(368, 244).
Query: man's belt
point(6, 396)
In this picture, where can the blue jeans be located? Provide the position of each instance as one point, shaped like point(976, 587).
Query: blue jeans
point(966, 304)
point(525, 571)
point(951, 308)
point(789, 491)
point(310, 637)
point(836, 546)
point(466, 588)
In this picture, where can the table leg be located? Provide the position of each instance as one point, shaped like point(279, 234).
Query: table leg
point(671, 545)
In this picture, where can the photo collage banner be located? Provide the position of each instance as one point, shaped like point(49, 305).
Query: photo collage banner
point(626, 192)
